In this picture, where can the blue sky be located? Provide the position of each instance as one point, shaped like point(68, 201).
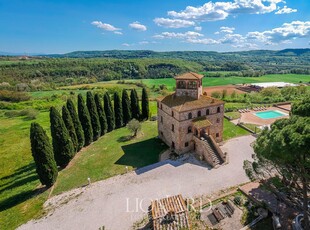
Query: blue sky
point(60, 26)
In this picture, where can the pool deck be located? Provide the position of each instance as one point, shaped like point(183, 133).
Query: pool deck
point(251, 118)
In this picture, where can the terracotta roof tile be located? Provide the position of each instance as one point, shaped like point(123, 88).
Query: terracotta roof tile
point(189, 76)
point(187, 103)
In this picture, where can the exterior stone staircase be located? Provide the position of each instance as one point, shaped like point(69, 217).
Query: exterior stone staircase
point(217, 160)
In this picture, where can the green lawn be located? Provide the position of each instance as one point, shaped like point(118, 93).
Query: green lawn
point(231, 130)
point(233, 115)
point(110, 155)
point(215, 81)
point(18, 179)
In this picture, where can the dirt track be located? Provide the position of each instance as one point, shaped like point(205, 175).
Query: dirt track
point(230, 89)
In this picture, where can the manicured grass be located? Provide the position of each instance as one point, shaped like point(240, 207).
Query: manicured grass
point(18, 179)
point(233, 115)
point(215, 81)
point(231, 130)
point(110, 155)
point(253, 127)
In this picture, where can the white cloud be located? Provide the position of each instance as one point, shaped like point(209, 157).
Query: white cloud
point(198, 28)
point(143, 42)
point(126, 44)
point(186, 35)
point(286, 10)
point(173, 23)
point(118, 32)
point(105, 26)
point(288, 31)
point(213, 11)
point(204, 41)
point(137, 26)
point(225, 29)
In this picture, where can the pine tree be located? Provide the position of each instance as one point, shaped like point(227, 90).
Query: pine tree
point(66, 117)
point(77, 124)
point(145, 105)
point(94, 118)
point(118, 111)
point(43, 156)
point(109, 112)
point(101, 114)
point(62, 144)
point(134, 103)
point(126, 107)
point(85, 121)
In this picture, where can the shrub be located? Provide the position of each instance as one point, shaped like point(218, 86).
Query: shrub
point(13, 96)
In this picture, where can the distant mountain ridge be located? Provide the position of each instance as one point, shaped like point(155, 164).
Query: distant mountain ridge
point(189, 55)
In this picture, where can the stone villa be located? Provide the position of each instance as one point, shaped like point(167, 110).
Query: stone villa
point(189, 120)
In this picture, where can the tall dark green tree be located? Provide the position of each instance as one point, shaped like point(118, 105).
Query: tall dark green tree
point(126, 107)
point(62, 144)
point(43, 156)
point(70, 127)
point(101, 114)
point(77, 124)
point(118, 111)
point(134, 104)
point(109, 112)
point(92, 108)
point(145, 105)
point(85, 121)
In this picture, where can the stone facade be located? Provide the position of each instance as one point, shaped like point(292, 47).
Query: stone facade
point(182, 116)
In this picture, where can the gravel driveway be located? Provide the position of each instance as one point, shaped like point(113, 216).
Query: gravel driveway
point(118, 202)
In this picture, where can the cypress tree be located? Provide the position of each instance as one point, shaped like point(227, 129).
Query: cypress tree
point(126, 107)
point(109, 112)
point(43, 156)
point(94, 118)
point(62, 144)
point(85, 121)
point(134, 103)
point(118, 111)
point(77, 124)
point(145, 104)
point(101, 114)
point(66, 117)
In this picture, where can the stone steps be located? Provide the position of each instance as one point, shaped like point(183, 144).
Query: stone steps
point(211, 150)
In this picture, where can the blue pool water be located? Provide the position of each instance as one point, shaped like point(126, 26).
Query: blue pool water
point(270, 114)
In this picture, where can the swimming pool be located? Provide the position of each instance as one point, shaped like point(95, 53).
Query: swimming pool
point(270, 114)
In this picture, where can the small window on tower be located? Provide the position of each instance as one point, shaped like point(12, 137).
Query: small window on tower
point(172, 128)
point(172, 114)
point(217, 135)
point(199, 114)
point(186, 144)
point(218, 109)
point(190, 116)
point(208, 112)
point(161, 119)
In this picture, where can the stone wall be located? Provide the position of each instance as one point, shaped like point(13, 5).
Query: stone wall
point(180, 136)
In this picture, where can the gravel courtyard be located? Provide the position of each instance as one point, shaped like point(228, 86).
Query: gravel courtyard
point(118, 202)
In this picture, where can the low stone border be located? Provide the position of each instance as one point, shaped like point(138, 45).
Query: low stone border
point(246, 128)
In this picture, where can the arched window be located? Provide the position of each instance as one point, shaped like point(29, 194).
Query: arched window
point(208, 112)
point(172, 113)
point(189, 129)
point(192, 85)
point(218, 109)
point(190, 116)
point(181, 85)
point(199, 114)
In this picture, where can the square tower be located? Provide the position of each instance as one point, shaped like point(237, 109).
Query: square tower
point(189, 84)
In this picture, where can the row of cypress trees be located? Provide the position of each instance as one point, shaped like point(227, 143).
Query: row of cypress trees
point(71, 130)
